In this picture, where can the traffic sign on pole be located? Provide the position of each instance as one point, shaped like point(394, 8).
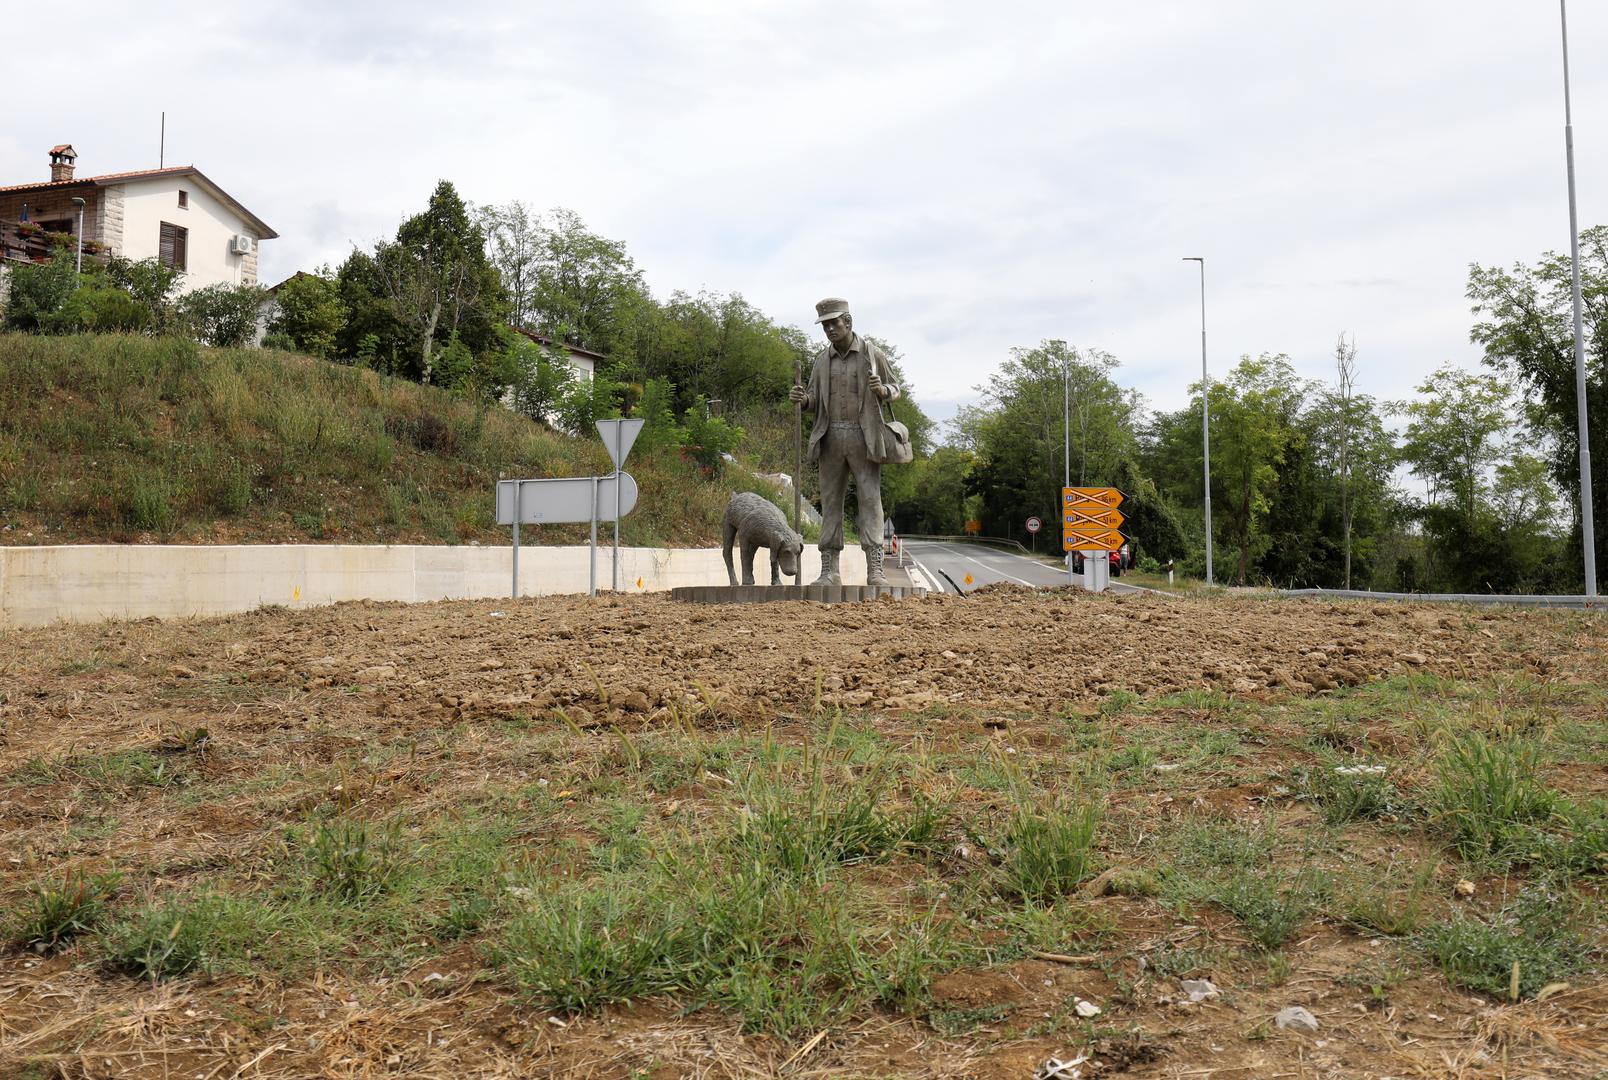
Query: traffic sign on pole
point(1091, 496)
point(1034, 524)
point(1099, 519)
point(1089, 519)
point(1092, 540)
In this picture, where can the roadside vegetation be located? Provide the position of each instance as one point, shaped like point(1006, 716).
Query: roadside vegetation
point(1411, 845)
point(119, 437)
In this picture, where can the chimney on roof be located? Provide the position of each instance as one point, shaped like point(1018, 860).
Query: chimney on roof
point(61, 162)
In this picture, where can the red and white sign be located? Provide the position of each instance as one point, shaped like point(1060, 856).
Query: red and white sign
point(1034, 524)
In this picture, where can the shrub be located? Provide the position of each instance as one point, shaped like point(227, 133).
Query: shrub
point(308, 313)
point(223, 315)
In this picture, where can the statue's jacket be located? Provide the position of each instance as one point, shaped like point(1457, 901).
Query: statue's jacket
point(871, 426)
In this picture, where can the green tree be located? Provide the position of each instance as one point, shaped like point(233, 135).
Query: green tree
point(1253, 416)
point(438, 282)
point(584, 289)
point(936, 503)
point(1454, 432)
point(308, 313)
point(1017, 433)
point(1526, 328)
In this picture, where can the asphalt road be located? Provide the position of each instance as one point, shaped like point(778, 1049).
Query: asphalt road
point(984, 564)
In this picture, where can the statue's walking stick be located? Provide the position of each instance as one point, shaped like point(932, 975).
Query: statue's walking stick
point(798, 450)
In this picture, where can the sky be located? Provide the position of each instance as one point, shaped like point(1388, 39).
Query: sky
point(972, 177)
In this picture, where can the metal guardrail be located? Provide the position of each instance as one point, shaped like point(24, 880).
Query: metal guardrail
point(965, 539)
point(1591, 603)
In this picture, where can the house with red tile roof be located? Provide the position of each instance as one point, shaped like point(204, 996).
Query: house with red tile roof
point(176, 215)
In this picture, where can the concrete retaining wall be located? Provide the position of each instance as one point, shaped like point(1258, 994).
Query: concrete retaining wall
point(90, 582)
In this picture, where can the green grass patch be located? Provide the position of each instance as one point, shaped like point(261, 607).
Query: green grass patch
point(59, 910)
point(1535, 940)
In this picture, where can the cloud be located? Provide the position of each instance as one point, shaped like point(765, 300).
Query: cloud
point(974, 179)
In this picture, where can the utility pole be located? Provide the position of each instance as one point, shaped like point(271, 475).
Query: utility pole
point(1205, 413)
point(1588, 538)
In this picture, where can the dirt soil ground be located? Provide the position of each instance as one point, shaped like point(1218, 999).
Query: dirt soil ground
point(293, 701)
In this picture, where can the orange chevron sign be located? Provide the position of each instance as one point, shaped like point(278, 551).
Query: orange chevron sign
point(1078, 516)
point(1091, 539)
point(1082, 497)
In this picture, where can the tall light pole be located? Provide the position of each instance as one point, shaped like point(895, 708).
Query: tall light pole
point(78, 262)
point(1587, 532)
point(1205, 413)
point(1066, 425)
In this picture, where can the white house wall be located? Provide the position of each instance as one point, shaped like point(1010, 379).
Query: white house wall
point(211, 223)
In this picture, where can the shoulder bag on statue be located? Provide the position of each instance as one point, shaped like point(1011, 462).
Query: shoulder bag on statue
point(896, 448)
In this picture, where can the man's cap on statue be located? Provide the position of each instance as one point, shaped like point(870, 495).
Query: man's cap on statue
point(831, 308)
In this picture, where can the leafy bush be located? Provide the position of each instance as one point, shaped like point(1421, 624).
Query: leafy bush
point(709, 438)
point(223, 315)
point(308, 313)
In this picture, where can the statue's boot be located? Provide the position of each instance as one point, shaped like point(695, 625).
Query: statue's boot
point(873, 566)
point(829, 569)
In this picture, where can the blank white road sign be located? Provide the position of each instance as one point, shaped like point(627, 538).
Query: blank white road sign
point(618, 437)
point(568, 499)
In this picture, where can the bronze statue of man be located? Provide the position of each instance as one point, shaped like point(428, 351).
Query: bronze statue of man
point(848, 384)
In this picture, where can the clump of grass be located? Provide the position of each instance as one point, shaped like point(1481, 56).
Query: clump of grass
point(351, 860)
point(59, 911)
point(1047, 852)
point(1392, 904)
point(1488, 790)
point(827, 821)
point(195, 933)
point(1271, 906)
point(785, 955)
point(581, 950)
point(1533, 941)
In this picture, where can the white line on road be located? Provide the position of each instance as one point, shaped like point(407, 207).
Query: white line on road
point(985, 566)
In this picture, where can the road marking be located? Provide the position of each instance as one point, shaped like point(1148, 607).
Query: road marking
point(985, 566)
point(927, 575)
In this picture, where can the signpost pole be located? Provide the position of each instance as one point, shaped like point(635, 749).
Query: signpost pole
point(619, 455)
point(591, 581)
point(517, 486)
point(798, 451)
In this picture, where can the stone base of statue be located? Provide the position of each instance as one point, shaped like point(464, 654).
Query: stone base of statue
point(766, 594)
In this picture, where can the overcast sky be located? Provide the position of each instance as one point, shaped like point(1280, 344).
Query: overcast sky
point(973, 177)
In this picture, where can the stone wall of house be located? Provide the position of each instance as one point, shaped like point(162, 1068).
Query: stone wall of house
point(111, 219)
point(248, 263)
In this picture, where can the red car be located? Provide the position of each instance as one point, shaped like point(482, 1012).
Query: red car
point(1120, 560)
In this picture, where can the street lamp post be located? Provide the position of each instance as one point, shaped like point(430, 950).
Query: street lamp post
point(1066, 425)
point(1205, 413)
point(78, 262)
point(1587, 532)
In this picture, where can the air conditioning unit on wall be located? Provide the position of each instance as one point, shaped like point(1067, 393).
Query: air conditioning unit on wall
point(241, 245)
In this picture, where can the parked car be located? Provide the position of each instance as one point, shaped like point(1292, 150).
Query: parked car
point(1121, 560)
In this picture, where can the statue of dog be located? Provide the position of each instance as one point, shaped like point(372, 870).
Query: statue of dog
point(757, 522)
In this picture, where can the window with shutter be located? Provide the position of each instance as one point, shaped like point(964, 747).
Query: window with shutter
point(171, 251)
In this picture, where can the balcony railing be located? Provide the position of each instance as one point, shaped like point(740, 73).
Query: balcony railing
point(23, 241)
